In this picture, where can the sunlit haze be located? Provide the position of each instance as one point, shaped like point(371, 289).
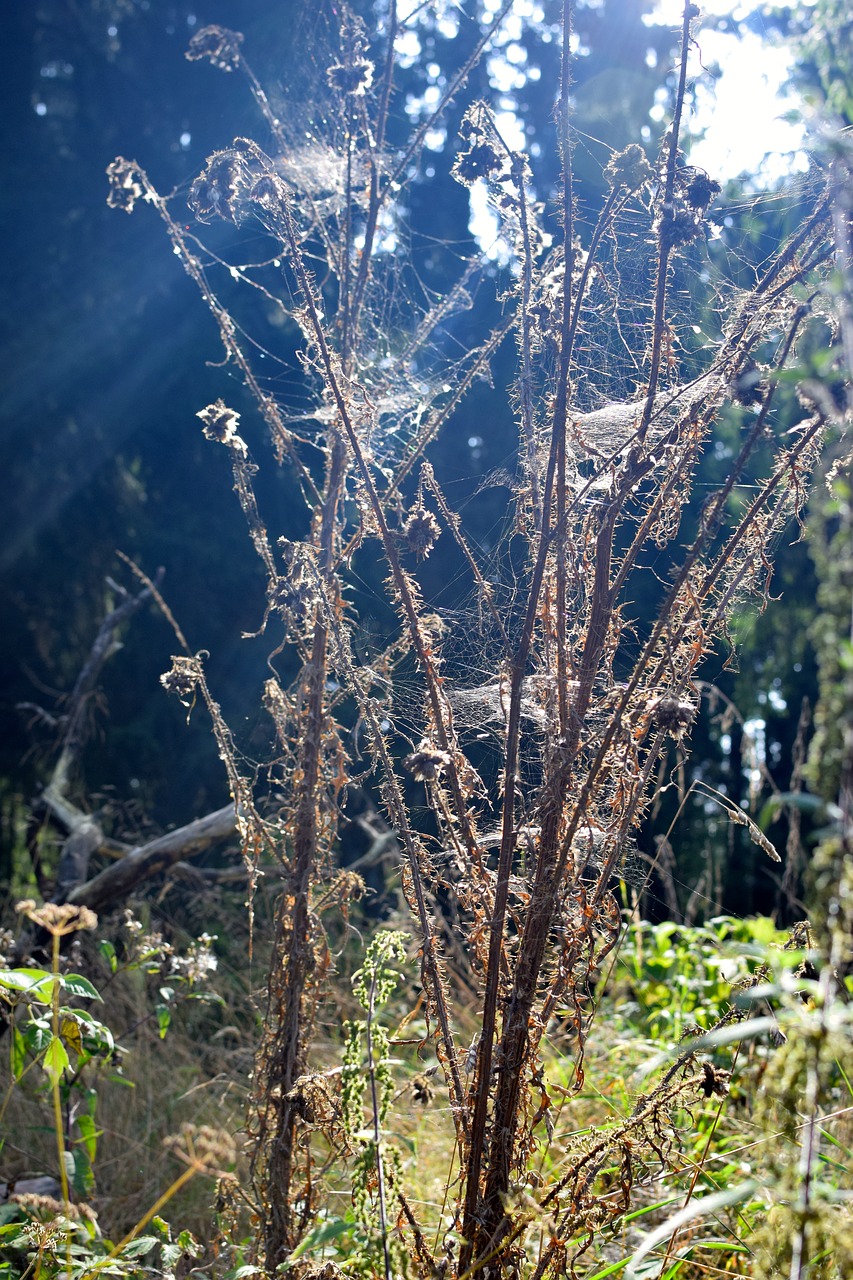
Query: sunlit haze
point(736, 118)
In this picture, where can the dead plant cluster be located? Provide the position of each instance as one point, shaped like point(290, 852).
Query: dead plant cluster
point(536, 779)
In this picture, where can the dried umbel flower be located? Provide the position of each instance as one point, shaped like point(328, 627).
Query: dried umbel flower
point(629, 168)
point(673, 714)
point(220, 46)
point(126, 186)
point(181, 678)
point(46, 1207)
point(207, 1149)
point(58, 918)
point(420, 532)
point(220, 422)
point(426, 763)
point(353, 78)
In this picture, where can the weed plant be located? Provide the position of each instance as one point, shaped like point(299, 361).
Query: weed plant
point(516, 785)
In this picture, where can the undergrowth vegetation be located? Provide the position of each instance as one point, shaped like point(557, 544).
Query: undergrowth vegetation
point(530, 1080)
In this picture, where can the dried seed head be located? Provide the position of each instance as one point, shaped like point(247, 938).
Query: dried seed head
point(324, 1271)
point(58, 918)
point(220, 46)
point(353, 78)
point(481, 160)
point(677, 227)
point(714, 1080)
point(673, 714)
point(427, 762)
point(420, 532)
point(224, 187)
point(267, 191)
point(125, 185)
point(290, 597)
point(629, 168)
point(220, 422)
point(210, 1150)
point(182, 678)
point(423, 1090)
point(701, 190)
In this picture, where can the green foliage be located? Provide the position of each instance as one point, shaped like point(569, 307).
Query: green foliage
point(367, 1079)
point(75, 1052)
point(824, 63)
point(670, 977)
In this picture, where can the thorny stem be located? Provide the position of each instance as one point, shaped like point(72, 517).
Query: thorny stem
point(398, 813)
point(269, 409)
point(659, 324)
point(517, 165)
point(284, 1059)
point(440, 707)
point(375, 150)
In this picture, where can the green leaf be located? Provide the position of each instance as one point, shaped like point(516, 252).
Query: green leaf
point(331, 1229)
point(189, 1245)
point(77, 985)
point(140, 1246)
point(108, 951)
point(164, 1017)
point(18, 1053)
point(89, 1134)
point(37, 983)
point(169, 1254)
point(37, 1035)
point(55, 1058)
point(83, 1177)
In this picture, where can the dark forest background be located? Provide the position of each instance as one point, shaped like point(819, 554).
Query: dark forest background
point(107, 356)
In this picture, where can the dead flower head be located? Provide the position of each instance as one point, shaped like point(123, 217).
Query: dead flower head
point(676, 715)
point(58, 918)
point(426, 763)
point(353, 78)
point(125, 185)
point(629, 168)
point(420, 532)
point(220, 424)
point(181, 678)
point(219, 45)
point(208, 1150)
